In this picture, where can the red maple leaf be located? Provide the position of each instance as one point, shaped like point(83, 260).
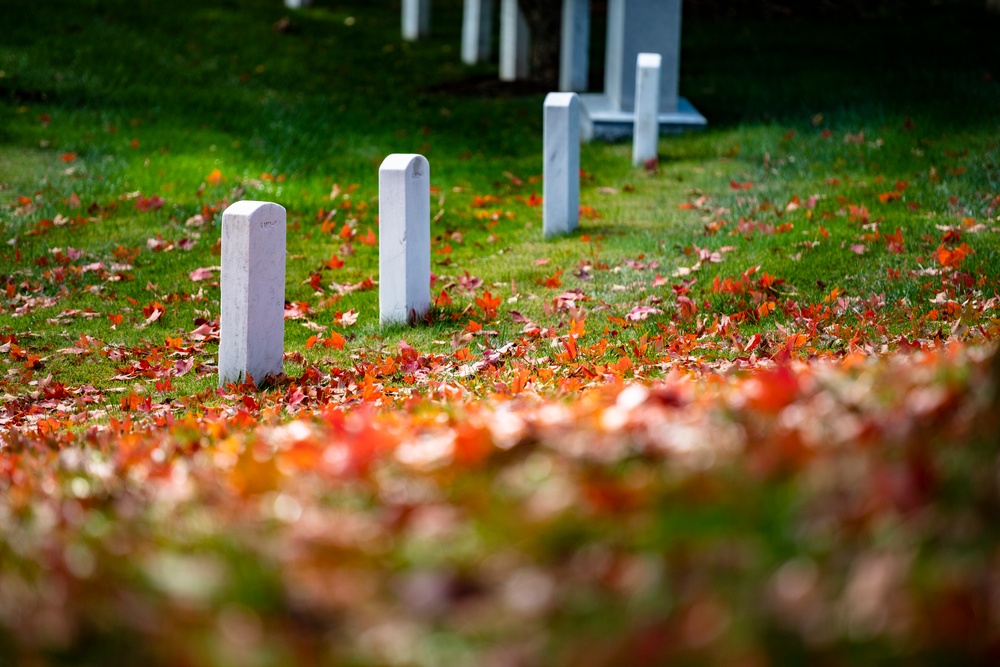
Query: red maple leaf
point(369, 238)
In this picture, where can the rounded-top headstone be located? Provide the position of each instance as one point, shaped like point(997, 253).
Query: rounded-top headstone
point(252, 319)
point(404, 203)
point(561, 180)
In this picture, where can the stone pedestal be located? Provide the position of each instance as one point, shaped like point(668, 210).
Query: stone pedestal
point(634, 27)
point(252, 321)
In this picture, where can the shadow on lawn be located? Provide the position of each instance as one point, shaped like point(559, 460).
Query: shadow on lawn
point(939, 63)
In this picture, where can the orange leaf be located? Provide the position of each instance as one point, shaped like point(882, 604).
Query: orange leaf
point(484, 201)
point(442, 300)
point(952, 257)
point(765, 309)
point(473, 326)
point(892, 195)
point(488, 302)
point(894, 242)
point(771, 390)
point(472, 444)
point(687, 307)
point(388, 366)
point(571, 350)
point(153, 307)
point(130, 402)
point(334, 340)
point(334, 262)
point(553, 281)
point(214, 178)
point(621, 366)
point(521, 381)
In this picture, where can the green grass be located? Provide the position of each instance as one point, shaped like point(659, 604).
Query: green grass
point(183, 544)
point(154, 106)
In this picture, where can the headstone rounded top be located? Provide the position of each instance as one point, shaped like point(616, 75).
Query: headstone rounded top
point(649, 60)
point(562, 100)
point(404, 161)
point(248, 207)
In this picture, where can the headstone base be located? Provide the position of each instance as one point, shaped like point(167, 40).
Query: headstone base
point(601, 120)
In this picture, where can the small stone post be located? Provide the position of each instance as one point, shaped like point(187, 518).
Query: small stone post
point(574, 57)
point(404, 250)
point(561, 186)
point(416, 19)
point(477, 31)
point(252, 323)
point(514, 36)
point(646, 130)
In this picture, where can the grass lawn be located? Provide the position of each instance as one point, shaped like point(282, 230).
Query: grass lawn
point(746, 414)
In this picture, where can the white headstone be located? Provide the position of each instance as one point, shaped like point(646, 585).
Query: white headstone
point(252, 323)
point(561, 185)
point(646, 130)
point(477, 31)
point(574, 58)
point(642, 26)
point(297, 4)
point(404, 208)
point(514, 42)
point(416, 19)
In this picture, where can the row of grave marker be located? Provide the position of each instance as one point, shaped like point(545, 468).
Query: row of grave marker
point(253, 235)
point(633, 27)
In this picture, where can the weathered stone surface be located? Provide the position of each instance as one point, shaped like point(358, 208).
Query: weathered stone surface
point(252, 322)
point(404, 206)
